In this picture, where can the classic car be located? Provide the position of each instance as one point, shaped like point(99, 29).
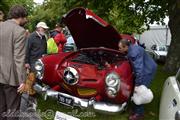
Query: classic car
point(96, 75)
point(170, 99)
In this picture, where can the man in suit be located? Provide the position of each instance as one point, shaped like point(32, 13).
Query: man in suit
point(12, 61)
point(144, 68)
point(1, 16)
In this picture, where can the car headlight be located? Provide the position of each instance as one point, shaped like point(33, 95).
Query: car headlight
point(112, 84)
point(112, 79)
point(111, 92)
point(39, 67)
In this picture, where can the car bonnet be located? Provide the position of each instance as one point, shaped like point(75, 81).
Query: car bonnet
point(89, 30)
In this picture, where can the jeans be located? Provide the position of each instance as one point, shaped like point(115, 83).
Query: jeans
point(28, 108)
point(139, 109)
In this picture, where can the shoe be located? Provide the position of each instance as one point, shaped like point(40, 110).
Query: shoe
point(136, 116)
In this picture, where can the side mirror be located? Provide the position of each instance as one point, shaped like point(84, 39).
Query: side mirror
point(153, 47)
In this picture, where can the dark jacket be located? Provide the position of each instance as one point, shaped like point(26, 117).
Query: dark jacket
point(36, 47)
point(53, 33)
point(143, 65)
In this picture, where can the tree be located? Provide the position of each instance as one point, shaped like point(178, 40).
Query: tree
point(50, 12)
point(128, 16)
point(6, 4)
point(28, 4)
point(173, 60)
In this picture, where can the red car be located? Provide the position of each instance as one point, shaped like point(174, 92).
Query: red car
point(96, 75)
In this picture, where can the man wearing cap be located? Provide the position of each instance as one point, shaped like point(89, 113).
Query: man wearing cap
point(58, 29)
point(36, 45)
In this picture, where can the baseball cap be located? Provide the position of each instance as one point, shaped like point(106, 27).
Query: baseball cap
point(42, 24)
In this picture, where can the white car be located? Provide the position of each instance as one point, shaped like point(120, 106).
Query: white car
point(159, 52)
point(170, 99)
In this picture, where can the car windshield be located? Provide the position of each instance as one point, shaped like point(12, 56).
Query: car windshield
point(162, 48)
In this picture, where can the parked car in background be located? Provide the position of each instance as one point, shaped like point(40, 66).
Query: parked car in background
point(170, 99)
point(70, 45)
point(159, 53)
point(95, 76)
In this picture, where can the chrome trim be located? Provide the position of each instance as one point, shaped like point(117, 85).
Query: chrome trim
point(111, 92)
point(39, 72)
point(177, 115)
point(178, 73)
point(71, 76)
point(110, 108)
point(117, 81)
point(85, 103)
point(113, 88)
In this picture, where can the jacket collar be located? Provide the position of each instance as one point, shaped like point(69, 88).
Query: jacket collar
point(12, 21)
point(38, 35)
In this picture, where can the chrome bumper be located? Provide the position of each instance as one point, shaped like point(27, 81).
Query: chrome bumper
point(85, 103)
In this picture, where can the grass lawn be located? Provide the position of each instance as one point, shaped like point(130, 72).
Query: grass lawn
point(151, 110)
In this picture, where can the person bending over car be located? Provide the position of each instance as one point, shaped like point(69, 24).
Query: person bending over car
point(144, 68)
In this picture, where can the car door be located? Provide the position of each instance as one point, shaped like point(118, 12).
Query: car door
point(170, 99)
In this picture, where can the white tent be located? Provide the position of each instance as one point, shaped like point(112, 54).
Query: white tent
point(159, 35)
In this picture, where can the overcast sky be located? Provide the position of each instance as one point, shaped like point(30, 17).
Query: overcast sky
point(38, 1)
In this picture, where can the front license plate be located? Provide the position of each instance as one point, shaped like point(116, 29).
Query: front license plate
point(65, 100)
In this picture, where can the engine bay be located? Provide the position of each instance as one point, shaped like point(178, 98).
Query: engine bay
point(98, 57)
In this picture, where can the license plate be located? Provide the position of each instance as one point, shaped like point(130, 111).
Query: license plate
point(65, 100)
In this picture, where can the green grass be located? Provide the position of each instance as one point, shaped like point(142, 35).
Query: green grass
point(151, 110)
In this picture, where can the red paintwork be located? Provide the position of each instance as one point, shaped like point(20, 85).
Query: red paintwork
point(88, 30)
point(55, 65)
point(89, 12)
point(90, 75)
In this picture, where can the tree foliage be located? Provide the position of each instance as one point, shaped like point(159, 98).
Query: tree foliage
point(128, 16)
point(6, 4)
point(50, 12)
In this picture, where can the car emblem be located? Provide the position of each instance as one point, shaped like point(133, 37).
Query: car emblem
point(71, 76)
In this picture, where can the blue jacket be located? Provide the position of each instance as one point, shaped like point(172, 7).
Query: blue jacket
point(143, 65)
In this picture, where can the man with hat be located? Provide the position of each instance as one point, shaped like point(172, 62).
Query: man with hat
point(36, 45)
point(58, 29)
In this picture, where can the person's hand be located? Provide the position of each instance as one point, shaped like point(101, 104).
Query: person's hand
point(136, 89)
point(27, 66)
point(21, 88)
point(107, 64)
point(27, 87)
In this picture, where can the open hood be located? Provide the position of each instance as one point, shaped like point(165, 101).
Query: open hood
point(89, 30)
